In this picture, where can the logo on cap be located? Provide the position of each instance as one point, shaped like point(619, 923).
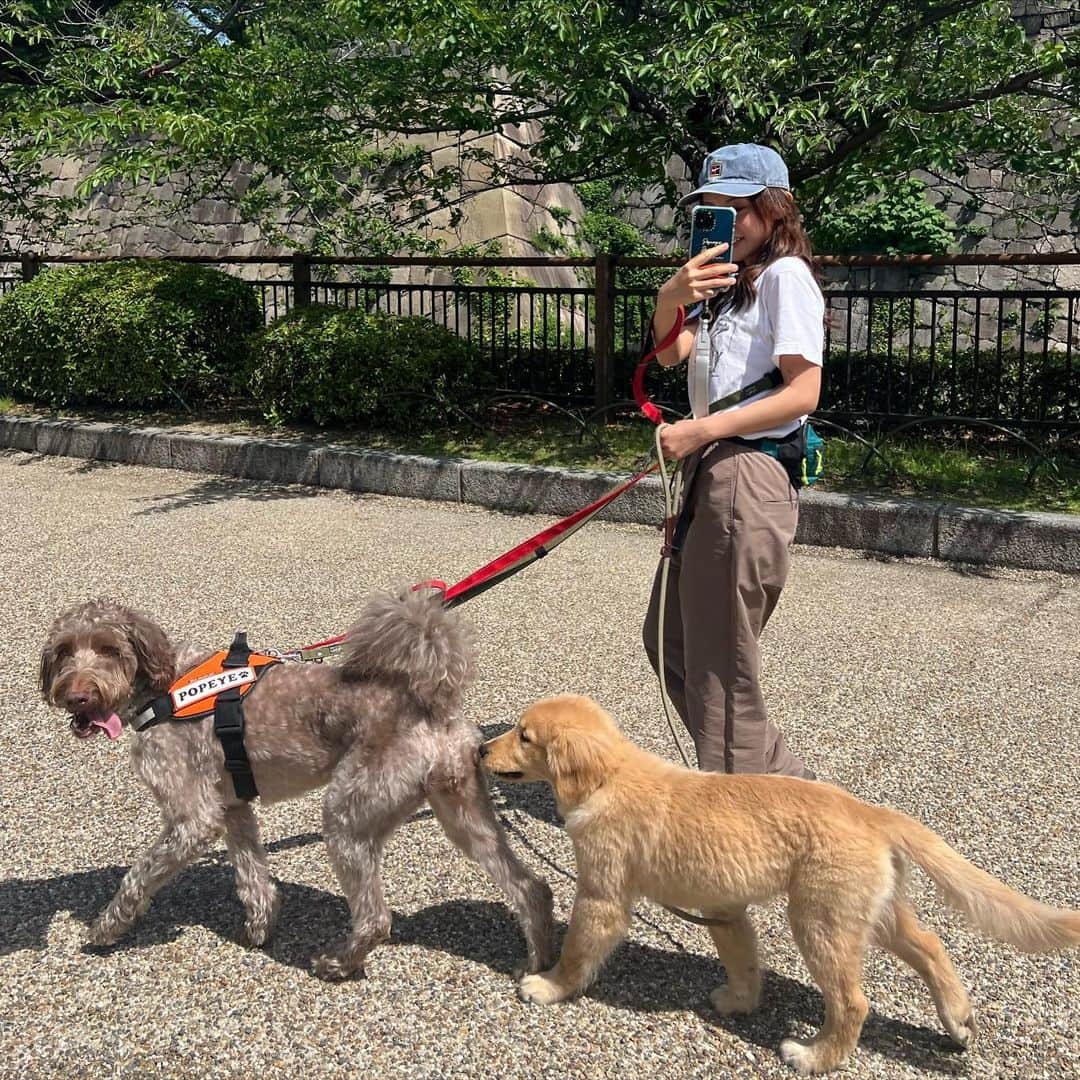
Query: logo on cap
point(716, 169)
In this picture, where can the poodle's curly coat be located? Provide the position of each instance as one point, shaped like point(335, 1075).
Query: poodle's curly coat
point(381, 731)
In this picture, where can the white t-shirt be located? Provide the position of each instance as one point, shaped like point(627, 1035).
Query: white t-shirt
point(787, 316)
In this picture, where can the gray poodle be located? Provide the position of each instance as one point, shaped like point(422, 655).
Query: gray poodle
point(381, 731)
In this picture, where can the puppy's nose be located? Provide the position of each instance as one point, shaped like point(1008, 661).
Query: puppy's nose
point(483, 751)
point(78, 701)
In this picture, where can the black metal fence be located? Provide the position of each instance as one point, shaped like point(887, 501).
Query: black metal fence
point(995, 356)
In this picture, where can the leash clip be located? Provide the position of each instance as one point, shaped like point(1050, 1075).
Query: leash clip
point(669, 548)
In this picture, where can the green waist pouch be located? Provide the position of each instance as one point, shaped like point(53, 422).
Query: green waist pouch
point(801, 453)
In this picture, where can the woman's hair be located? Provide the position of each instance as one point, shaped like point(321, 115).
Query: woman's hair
point(786, 236)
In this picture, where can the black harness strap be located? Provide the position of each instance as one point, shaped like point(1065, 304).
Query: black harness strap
point(767, 382)
point(229, 724)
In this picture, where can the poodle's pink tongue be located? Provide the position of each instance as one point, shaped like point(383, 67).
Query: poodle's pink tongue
point(109, 724)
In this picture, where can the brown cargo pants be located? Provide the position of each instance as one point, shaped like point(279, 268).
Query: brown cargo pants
point(722, 588)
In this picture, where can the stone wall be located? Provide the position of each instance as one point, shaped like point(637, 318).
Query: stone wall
point(111, 225)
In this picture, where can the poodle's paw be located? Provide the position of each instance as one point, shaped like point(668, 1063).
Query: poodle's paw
point(533, 964)
point(333, 967)
point(259, 925)
point(257, 932)
point(541, 990)
point(103, 932)
point(727, 1001)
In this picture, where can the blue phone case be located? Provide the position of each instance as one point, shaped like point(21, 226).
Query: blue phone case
point(712, 225)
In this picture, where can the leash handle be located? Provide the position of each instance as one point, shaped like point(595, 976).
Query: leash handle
point(651, 410)
point(434, 583)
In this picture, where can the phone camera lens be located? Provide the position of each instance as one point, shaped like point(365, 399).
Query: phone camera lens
point(707, 219)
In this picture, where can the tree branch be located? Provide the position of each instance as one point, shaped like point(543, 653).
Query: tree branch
point(1012, 85)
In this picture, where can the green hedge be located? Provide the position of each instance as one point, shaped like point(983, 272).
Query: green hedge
point(344, 365)
point(136, 334)
point(1013, 386)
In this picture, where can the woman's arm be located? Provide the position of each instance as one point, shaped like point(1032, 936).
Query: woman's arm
point(698, 279)
point(796, 396)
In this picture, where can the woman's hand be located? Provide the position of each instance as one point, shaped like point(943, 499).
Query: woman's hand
point(699, 278)
point(682, 438)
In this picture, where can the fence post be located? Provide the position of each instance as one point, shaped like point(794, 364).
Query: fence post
point(31, 264)
point(301, 276)
point(604, 334)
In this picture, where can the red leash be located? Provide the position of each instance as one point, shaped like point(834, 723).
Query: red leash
point(642, 399)
point(536, 547)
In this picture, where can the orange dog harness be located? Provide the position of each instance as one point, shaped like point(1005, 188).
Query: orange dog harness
point(217, 687)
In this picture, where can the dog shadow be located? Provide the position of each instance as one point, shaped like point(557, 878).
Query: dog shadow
point(638, 978)
point(643, 978)
point(203, 894)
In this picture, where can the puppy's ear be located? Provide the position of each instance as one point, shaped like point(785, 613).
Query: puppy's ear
point(576, 761)
point(152, 648)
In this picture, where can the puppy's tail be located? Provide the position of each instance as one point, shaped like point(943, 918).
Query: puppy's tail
point(990, 905)
point(410, 637)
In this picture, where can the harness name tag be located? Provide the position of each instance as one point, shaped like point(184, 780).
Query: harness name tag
point(209, 685)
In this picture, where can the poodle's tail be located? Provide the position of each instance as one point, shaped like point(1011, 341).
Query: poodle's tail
point(990, 905)
point(409, 635)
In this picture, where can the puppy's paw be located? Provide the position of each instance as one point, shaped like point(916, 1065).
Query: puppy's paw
point(333, 967)
point(540, 990)
point(963, 1032)
point(726, 1001)
point(805, 1058)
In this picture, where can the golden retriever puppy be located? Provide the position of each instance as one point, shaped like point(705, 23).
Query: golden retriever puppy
point(643, 827)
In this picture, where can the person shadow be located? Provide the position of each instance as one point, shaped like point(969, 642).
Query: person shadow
point(639, 977)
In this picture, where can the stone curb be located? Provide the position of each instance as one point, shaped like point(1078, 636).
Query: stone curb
point(910, 527)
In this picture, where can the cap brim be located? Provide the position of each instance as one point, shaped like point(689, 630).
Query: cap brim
point(732, 188)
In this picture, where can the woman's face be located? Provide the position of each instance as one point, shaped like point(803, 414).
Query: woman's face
point(750, 231)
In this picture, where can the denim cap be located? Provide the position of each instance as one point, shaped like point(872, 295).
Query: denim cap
point(739, 170)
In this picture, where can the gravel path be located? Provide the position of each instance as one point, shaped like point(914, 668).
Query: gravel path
point(952, 695)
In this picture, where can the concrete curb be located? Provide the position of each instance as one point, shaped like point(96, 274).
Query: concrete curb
point(890, 526)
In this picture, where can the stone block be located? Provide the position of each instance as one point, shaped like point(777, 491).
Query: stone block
point(1006, 538)
point(18, 433)
point(279, 462)
point(223, 454)
point(140, 446)
point(559, 492)
point(68, 438)
point(406, 475)
point(1067, 277)
point(1056, 20)
point(892, 526)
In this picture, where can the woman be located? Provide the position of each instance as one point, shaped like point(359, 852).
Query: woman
point(761, 313)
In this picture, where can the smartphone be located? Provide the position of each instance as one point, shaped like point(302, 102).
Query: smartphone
point(712, 225)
